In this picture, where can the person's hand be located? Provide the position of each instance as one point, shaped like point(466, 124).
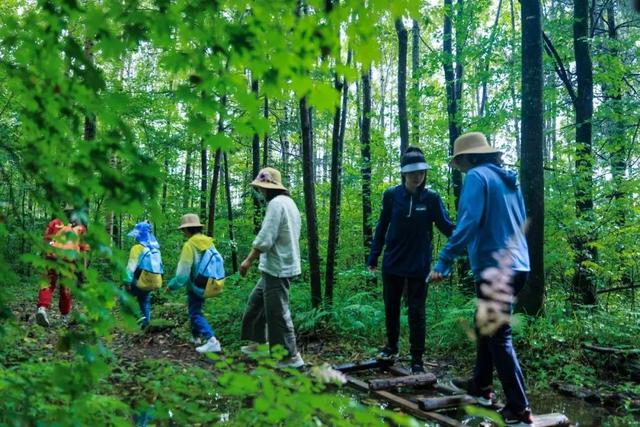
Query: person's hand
point(372, 268)
point(244, 267)
point(436, 276)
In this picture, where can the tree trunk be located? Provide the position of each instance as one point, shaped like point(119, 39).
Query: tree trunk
point(531, 167)
point(186, 197)
point(232, 238)
point(165, 184)
point(215, 179)
point(415, 77)
point(265, 142)
point(514, 99)
point(365, 147)
point(203, 181)
point(337, 147)
point(310, 203)
point(583, 283)
point(402, 85)
point(255, 151)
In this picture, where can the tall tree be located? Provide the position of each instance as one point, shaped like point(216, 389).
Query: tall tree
point(531, 166)
point(310, 203)
point(213, 192)
point(232, 237)
point(186, 194)
point(365, 169)
point(337, 148)
point(415, 83)
point(583, 283)
point(203, 180)
point(402, 84)
point(255, 151)
point(265, 141)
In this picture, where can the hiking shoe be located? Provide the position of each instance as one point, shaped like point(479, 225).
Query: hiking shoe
point(517, 419)
point(211, 346)
point(484, 396)
point(292, 362)
point(251, 348)
point(387, 354)
point(41, 317)
point(417, 368)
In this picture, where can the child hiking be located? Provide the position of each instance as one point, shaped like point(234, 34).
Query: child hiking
point(491, 219)
point(144, 269)
point(198, 253)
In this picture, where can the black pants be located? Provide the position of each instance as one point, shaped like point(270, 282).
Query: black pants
point(416, 297)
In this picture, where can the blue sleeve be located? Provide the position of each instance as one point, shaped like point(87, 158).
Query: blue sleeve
point(381, 229)
point(441, 218)
point(471, 207)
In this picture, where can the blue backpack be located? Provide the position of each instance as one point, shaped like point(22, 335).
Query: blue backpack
point(209, 281)
point(148, 274)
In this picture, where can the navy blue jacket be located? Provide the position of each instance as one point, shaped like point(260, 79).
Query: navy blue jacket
point(405, 227)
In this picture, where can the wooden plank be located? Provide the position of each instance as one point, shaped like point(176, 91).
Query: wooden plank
point(551, 420)
point(404, 404)
point(435, 403)
point(422, 380)
point(359, 366)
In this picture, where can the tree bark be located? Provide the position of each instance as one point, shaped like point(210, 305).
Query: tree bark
point(583, 283)
point(402, 85)
point(255, 151)
point(203, 181)
point(365, 169)
point(232, 237)
point(215, 179)
point(415, 78)
point(337, 147)
point(186, 197)
point(265, 142)
point(531, 167)
point(310, 203)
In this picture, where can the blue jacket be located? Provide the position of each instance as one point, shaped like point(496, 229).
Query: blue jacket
point(491, 217)
point(405, 227)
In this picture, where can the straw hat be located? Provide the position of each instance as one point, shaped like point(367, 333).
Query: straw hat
point(472, 143)
point(190, 220)
point(269, 178)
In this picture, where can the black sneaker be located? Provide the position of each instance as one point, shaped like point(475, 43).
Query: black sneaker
point(387, 354)
point(484, 396)
point(417, 368)
point(517, 419)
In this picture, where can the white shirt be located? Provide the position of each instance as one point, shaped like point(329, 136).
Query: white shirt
point(278, 239)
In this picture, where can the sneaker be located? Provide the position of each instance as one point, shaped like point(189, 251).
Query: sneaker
point(512, 418)
point(484, 396)
point(251, 348)
point(41, 317)
point(417, 368)
point(292, 362)
point(211, 346)
point(387, 354)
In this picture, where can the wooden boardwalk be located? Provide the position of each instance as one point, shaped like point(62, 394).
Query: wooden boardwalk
point(420, 395)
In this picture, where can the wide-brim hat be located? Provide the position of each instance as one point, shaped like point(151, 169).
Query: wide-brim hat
point(269, 178)
point(189, 220)
point(472, 143)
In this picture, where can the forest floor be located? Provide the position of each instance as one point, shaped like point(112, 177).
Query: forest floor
point(167, 343)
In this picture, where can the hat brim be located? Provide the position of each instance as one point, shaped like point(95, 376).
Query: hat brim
point(268, 185)
point(414, 167)
point(189, 226)
point(475, 150)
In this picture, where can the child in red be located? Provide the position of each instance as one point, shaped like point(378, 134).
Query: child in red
point(65, 244)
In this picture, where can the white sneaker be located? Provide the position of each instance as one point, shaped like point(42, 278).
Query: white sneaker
point(41, 317)
point(211, 346)
point(292, 362)
point(251, 348)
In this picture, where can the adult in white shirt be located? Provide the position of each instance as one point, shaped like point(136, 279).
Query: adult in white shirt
point(267, 317)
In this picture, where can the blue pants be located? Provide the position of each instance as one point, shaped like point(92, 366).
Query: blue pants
point(144, 301)
point(498, 351)
point(199, 325)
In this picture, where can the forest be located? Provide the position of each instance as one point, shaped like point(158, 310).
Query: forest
point(124, 116)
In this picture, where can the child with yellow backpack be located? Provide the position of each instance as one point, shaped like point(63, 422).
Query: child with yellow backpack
point(144, 269)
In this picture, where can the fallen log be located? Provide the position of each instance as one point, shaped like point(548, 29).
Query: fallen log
point(436, 403)
point(404, 404)
point(611, 350)
point(422, 380)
